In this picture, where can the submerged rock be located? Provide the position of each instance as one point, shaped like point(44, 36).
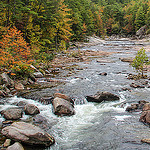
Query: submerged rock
point(12, 113)
point(103, 74)
point(102, 96)
point(62, 107)
point(28, 134)
point(31, 109)
point(137, 106)
point(129, 59)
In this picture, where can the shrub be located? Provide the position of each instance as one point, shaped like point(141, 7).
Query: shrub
point(140, 60)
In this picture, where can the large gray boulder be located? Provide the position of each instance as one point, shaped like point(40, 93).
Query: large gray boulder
point(12, 113)
point(6, 80)
point(141, 31)
point(102, 96)
point(62, 107)
point(15, 146)
point(31, 109)
point(28, 134)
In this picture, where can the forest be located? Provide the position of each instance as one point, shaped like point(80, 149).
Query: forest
point(32, 31)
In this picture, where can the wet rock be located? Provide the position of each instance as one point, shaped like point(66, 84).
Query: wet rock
point(137, 106)
point(15, 146)
point(19, 86)
point(12, 113)
point(63, 96)
point(145, 117)
point(137, 85)
point(43, 123)
point(38, 75)
point(102, 96)
point(7, 143)
point(132, 108)
point(62, 107)
point(31, 109)
point(126, 89)
point(142, 103)
point(129, 59)
point(146, 107)
point(146, 141)
point(28, 134)
point(103, 74)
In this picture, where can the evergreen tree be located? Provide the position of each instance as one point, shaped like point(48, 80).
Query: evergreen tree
point(140, 18)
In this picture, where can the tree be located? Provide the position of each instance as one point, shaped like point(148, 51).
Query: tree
point(140, 18)
point(140, 60)
point(14, 51)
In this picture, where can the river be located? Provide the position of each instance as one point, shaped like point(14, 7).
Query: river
point(104, 126)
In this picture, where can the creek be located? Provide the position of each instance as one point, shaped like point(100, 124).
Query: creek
point(104, 126)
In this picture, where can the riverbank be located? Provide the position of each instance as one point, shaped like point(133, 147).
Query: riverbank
point(108, 121)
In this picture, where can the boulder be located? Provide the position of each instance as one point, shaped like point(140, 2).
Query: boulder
point(141, 31)
point(146, 107)
point(62, 107)
point(102, 96)
point(15, 146)
point(130, 59)
point(38, 75)
point(28, 134)
point(43, 123)
point(12, 113)
point(145, 117)
point(63, 96)
point(19, 86)
point(6, 80)
point(31, 109)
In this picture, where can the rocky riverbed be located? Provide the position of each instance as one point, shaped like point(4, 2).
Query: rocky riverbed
point(91, 71)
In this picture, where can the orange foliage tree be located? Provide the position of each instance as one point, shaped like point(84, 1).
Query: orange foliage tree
point(14, 50)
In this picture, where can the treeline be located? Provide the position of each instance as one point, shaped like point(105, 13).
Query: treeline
point(49, 25)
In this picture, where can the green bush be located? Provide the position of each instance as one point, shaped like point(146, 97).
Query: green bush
point(140, 60)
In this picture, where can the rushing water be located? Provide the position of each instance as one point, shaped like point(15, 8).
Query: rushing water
point(104, 126)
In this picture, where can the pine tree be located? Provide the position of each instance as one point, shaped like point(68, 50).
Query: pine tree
point(140, 18)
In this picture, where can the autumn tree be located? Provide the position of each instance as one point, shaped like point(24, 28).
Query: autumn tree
point(14, 51)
